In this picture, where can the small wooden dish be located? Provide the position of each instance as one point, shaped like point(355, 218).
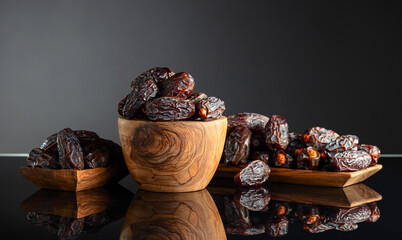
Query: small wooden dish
point(114, 199)
point(308, 177)
point(348, 197)
point(74, 180)
point(178, 156)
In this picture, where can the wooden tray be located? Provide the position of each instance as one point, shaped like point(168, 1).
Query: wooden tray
point(74, 180)
point(115, 199)
point(348, 197)
point(308, 177)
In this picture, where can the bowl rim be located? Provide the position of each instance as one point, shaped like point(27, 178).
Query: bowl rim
point(173, 121)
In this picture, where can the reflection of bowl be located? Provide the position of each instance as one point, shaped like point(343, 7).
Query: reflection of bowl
point(190, 215)
point(179, 156)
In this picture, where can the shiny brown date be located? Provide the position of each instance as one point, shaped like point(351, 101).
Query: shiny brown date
point(210, 108)
point(319, 138)
point(276, 132)
point(158, 74)
point(308, 158)
point(341, 144)
point(169, 109)
point(256, 122)
point(237, 146)
point(254, 199)
point(180, 85)
point(195, 97)
point(70, 151)
point(351, 160)
point(253, 174)
point(295, 142)
point(40, 158)
point(283, 160)
point(372, 150)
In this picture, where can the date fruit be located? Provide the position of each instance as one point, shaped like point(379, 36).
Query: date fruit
point(169, 109)
point(143, 91)
point(277, 227)
point(283, 160)
point(40, 158)
point(95, 155)
point(160, 75)
point(372, 150)
point(319, 138)
point(341, 144)
point(70, 151)
point(180, 85)
point(276, 132)
point(295, 142)
point(256, 122)
point(237, 146)
point(254, 199)
point(50, 144)
point(308, 158)
point(351, 160)
point(195, 97)
point(210, 108)
point(253, 174)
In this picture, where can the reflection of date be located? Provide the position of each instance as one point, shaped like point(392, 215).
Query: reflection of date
point(254, 199)
point(169, 109)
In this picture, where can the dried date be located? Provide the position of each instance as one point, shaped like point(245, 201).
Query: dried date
point(95, 155)
point(86, 136)
point(210, 108)
point(254, 199)
point(39, 158)
point(341, 144)
point(195, 97)
point(159, 74)
point(261, 155)
point(253, 174)
point(143, 91)
point(70, 151)
point(50, 143)
point(308, 158)
point(169, 109)
point(277, 132)
point(283, 160)
point(256, 122)
point(295, 142)
point(351, 160)
point(372, 150)
point(318, 137)
point(180, 85)
point(237, 146)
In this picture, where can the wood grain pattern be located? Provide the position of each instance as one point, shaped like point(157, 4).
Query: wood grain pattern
point(114, 198)
point(191, 215)
point(308, 177)
point(179, 156)
point(350, 196)
point(74, 180)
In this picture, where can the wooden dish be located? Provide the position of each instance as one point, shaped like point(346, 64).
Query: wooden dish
point(348, 197)
point(308, 177)
point(113, 198)
point(74, 180)
point(178, 156)
point(191, 215)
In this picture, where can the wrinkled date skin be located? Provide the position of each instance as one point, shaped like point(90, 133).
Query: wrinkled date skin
point(254, 121)
point(39, 158)
point(253, 174)
point(254, 199)
point(260, 155)
point(86, 136)
point(277, 132)
point(375, 212)
point(237, 146)
point(295, 142)
point(70, 151)
point(308, 158)
point(318, 137)
point(95, 155)
point(70, 228)
point(50, 143)
point(169, 109)
point(180, 85)
point(159, 74)
point(283, 160)
point(341, 144)
point(277, 227)
point(356, 214)
point(144, 90)
point(372, 150)
point(210, 108)
point(350, 161)
point(195, 97)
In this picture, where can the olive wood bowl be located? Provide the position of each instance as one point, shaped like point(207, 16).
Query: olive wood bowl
point(176, 156)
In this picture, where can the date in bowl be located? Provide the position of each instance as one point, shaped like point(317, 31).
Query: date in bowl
point(178, 156)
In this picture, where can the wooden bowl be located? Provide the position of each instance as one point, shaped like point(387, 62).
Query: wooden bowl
point(74, 180)
point(308, 177)
point(179, 156)
point(191, 215)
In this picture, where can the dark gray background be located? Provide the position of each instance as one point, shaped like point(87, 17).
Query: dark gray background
point(334, 64)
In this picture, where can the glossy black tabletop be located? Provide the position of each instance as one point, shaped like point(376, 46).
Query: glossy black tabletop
point(21, 203)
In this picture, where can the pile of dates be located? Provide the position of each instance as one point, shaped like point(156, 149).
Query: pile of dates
point(252, 136)
point(76, 150)
point(252, 212)
point(70, 228)
point(159, 94)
